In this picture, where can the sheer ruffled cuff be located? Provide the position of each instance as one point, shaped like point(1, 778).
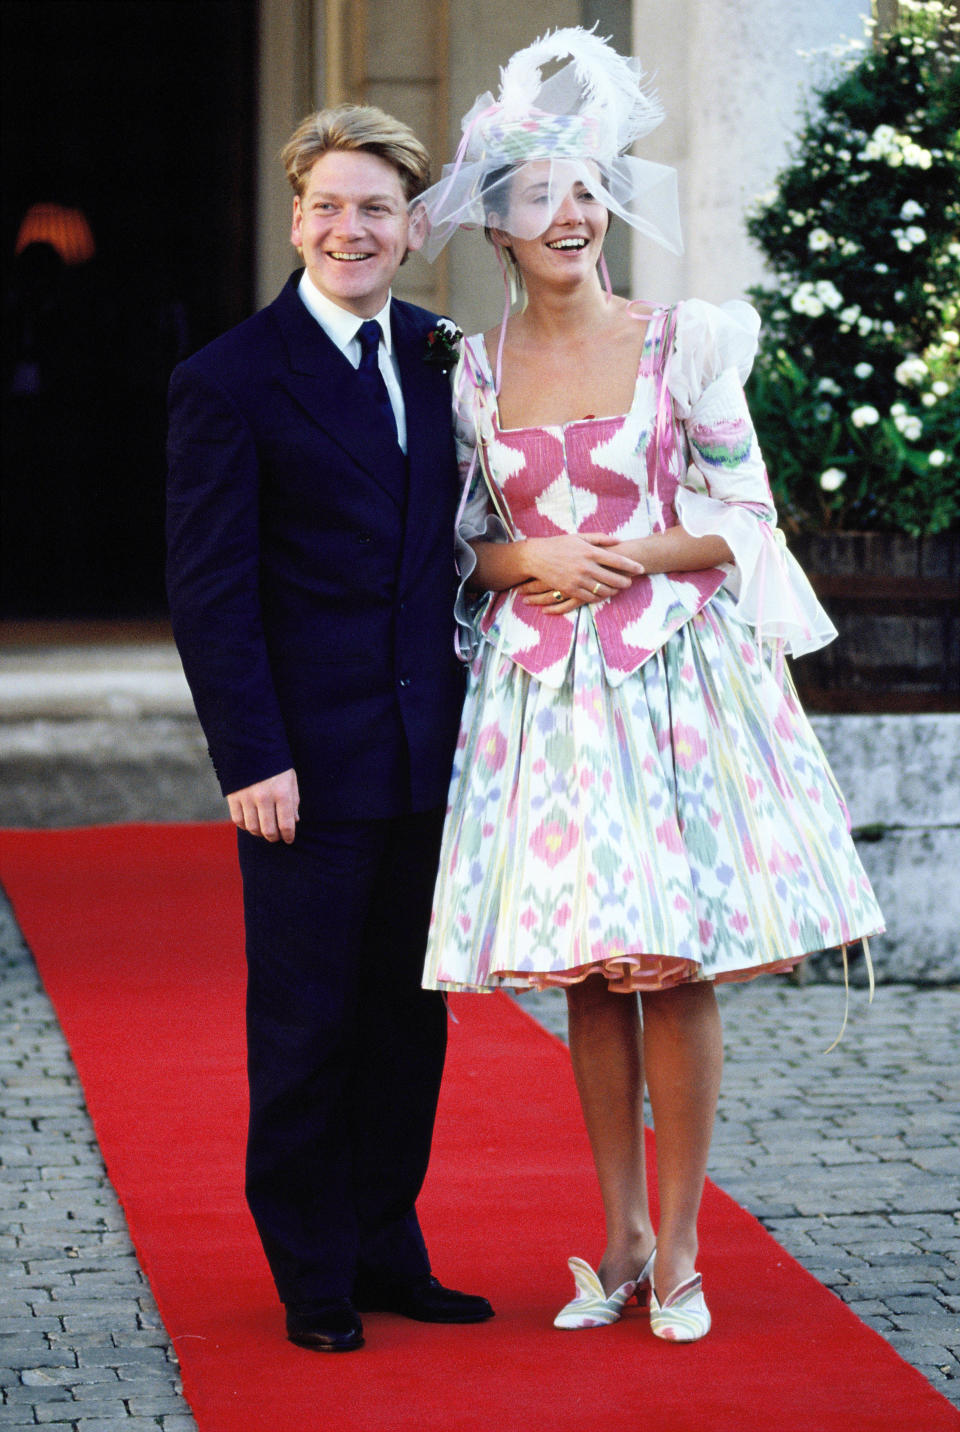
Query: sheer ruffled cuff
point(470, 605)
point(772, 591)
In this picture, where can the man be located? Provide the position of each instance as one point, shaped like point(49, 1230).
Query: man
point(310, 522)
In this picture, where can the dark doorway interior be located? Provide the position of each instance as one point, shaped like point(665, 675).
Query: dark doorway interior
point(141, 117)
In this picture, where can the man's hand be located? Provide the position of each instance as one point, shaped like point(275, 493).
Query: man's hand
point(270, 808)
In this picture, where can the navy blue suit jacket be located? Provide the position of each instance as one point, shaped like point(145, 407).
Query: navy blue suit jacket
point(310, 565)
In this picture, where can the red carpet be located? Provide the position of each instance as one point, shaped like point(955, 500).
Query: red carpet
point(137, 934)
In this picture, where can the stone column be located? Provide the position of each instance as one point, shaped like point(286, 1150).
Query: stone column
point(289, 42)
point(733, 78)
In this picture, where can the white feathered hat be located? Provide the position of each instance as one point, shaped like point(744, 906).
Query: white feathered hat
point(580, 120)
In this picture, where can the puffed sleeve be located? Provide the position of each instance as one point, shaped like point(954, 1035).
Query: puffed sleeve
point(725, 491)
point(476, 520)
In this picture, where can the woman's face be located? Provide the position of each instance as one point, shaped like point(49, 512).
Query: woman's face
point(564, 247)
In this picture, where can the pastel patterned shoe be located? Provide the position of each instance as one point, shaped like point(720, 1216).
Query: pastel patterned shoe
point(684, 1316)
point(592, 1308)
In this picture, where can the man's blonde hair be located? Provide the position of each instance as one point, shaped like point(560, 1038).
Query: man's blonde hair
point(356, 126)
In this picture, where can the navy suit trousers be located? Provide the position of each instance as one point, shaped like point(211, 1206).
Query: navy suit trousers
point(345, 1050)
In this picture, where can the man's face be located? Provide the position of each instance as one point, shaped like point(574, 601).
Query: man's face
point(353, 228)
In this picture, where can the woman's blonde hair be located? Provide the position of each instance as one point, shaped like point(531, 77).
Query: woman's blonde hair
point(356, 126)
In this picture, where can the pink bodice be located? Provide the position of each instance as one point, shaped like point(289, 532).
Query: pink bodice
point(595, 475)
point(686, 452)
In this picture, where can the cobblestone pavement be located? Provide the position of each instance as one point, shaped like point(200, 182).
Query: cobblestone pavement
point(851, 1159)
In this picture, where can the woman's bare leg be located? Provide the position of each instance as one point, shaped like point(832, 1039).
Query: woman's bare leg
point(607, 1056)
point(683, 1055)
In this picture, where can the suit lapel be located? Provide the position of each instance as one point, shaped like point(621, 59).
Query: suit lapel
point(428, 403)
point(419, 383)
point(324, 385)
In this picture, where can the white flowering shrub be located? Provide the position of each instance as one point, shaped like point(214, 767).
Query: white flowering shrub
point(855, 391)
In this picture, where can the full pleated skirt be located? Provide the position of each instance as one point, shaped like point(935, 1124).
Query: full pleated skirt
point(684, 825)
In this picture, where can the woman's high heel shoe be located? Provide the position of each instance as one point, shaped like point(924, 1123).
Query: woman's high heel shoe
point(592, 1308)
point(684, 1315)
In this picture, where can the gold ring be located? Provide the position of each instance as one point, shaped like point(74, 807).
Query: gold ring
point(596, 588)
point(558, 596)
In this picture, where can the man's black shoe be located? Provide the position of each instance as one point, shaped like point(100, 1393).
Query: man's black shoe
point(331, 1327)
point(426, 1300)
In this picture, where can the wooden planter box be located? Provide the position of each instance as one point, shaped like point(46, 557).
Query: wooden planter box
point(895, 601)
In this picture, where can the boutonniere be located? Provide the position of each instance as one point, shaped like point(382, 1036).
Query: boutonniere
point(443, 345)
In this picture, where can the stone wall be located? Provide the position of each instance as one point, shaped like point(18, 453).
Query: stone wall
point(900, 776)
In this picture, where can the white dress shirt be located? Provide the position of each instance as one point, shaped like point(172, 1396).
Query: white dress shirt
point(342, 327)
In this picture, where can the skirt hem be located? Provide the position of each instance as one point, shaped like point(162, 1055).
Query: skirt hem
point(625, 975)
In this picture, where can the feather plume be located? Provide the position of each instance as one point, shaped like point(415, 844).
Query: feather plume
point(608, 87)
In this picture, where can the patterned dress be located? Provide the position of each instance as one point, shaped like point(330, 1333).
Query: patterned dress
point(636, 790)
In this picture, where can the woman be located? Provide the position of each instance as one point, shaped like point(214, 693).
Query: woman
point(638, 803)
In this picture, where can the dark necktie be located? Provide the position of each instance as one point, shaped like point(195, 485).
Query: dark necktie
point(369, 370)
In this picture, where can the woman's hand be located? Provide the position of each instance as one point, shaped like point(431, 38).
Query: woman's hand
point(575, 571)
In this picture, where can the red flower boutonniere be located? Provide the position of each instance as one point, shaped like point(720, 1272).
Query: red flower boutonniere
point(443, 345)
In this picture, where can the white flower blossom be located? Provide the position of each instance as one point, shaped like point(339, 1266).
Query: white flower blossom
point(937, 458)
point(865, 416)
point(916, 156)
point(863, 370)
point(828, 294)
point(940, 388)
point(806, 300)
point(830, 387)
point(818, 240)
point(929, 400)
point(951, 337)
point(911, 370)
point(912, 210)
point(823, 412)
point(909, 425)
point(897, 410)
point(909, 238)
point(851, 314)
point(880, 142)
point(864, 326)
point(832, 478)
point(895, 149)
